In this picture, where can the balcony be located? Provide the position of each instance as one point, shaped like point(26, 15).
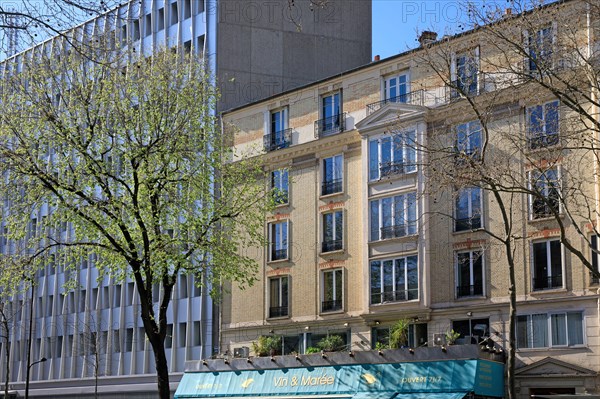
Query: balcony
point(544, 207)
point(278, 140)
point(394, 296)
point(395, 168)
point(331, 187)
point(466, 224)
point(414, 98)
point(397, 231)
point(331, 306)
point(547, 283)
point(278, 254)
point(542, 140)
point(469, 290)
point(278, 311)
point(467, 86)
point(332, 245)
point(331, 125)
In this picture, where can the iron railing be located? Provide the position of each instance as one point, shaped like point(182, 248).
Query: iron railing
point(278, 254)
point(331, 186)
point(331, 306)
point(332, 245)
point(278, 311)
point(278, 140)
point(331, 125)
point(397, 231)
point(466, 224)
point(469, 290)
point(547, 283)
point(414, 98)
point(543, 140)
point(394, 296)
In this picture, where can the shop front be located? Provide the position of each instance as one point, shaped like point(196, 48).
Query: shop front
point(445, 379)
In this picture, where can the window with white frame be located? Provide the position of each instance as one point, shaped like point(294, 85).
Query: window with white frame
point(544, 199)
point(278, 296)
point(333, 174)
point(468, 206)
point(546, 257)
point(333, 231)
point(542, 125)
point(466, 73)
point(280, 186)
point(332, 290)
point(468, 141)
point(278, 241)
point(278, 135)
point(332, 120)
point(393, 154)
point(546, 330)
point(396, 88)
point(469, 274)
point(393, 217)
point(394, 280)
point(540, 45)
point(595, 257)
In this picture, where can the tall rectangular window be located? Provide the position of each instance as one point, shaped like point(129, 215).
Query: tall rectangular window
point(467, 70)
point(392, 155)
point(393, 216)
point(279, 136)
point(542, 125)
point(280, 185)
point(544, 199)
point(278, 296)
point(333, 175)
point(547, 265)
point(467, 212)
point(278, 241)
point(544, 330)
point(469, 274)
point(468, 142)
point(595, 257)
point(540, 46)
point(396, 88)
point(394, 280)
point(332, 120)
point(332, 290)
point(333, 231)
point(174, 13)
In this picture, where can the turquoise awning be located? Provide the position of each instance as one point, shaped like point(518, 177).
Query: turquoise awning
point(451, 379)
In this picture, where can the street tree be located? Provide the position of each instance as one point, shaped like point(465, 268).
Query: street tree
point(124, 159)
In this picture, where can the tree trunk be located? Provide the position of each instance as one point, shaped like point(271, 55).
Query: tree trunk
point(510, 372)
point(6, 349)
point(162, 368)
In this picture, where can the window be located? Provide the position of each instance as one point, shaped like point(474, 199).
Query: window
point(333, 287)
point(544, 330)
point(417, 336)
point(278, 238)
point(331, 113)
point(545, 196)
point(160, 19)
point(467, 69)
point(174, 13)
point(547, 265)
point(392, 155)
point(467, 213)
point(396, 88)
point(279, 185)
point(595, 256)
point(333, 231)
point(394, 217)
point(394, 280)
point(472, 331)
point(147, 25)
point(540, 45)
point(187, 9)
point(468, 142)
point(333, 172)
point(169, 337)
point(278, 296)
point(135, 30)
point(542, 125)
point(279, 136)
point(469, 274)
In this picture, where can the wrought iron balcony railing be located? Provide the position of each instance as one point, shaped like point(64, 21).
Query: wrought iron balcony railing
point(394, 296)
point(332, 245)
point(331, 306)
point(466, 224)
point(279, 254)
point(278, 311)
point(469, 290)
point(331, 187)
point(547, 283)
point(278, 140)
point(414, 98)
point(331, 125)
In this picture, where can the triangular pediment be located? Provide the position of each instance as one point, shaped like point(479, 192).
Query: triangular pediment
point(389, 114)
point(549, 367)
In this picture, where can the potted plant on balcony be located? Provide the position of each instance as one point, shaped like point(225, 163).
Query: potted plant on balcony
point(451, 337)
point(267, 345)
point(331, 343)
point(399, 334)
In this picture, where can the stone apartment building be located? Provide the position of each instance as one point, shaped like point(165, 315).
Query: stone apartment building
point(380, 216)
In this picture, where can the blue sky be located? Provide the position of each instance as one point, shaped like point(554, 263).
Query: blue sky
point(396, 22)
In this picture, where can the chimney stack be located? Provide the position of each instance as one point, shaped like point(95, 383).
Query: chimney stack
point(427, 37)
point(508, 12)
point(376, 58)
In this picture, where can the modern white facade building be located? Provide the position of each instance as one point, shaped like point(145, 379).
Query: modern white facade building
point(93, 335)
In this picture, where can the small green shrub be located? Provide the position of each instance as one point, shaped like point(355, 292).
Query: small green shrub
point(267, 345)
point(379, 346)
point(399, 333)
point(452, 336)
point(312, 349)
point(332, 343)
